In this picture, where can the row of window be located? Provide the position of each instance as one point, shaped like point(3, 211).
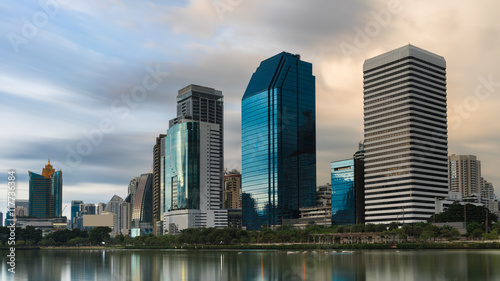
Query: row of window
point(405, 68)
point(440, 95)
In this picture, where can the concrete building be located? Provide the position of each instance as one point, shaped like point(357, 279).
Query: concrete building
point(232, 190)
point(465, 174)
point(405, 135)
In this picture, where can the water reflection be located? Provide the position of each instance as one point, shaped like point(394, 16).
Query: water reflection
point(259, 265)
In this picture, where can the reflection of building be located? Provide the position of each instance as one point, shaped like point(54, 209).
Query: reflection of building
point(45, 193)
point(232, 190)
point(465, 174)
point(278, 141)
point(405, 134)
point(191, 161)
point(142, 212)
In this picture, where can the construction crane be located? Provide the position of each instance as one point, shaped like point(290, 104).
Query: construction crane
point(63, 209)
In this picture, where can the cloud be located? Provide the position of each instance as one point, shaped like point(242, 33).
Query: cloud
point(64, 80)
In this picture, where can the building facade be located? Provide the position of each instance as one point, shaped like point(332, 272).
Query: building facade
point(232, 190)
point(142, 211)
point(45, 193)
point(278, 141)
point(347, 192)
point(465, 174)
point(191, 162)
point(193, 185)
point(158, 191)
point(405, 131)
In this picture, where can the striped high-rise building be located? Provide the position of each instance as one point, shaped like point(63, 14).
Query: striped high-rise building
point(406, 137)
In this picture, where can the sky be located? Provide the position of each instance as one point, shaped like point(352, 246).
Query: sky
point(90, 84)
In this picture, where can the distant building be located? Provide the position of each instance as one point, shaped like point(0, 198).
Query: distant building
point(22, 207)
point(105, 219)
point(465, 174)
point(347, 189)
point(132, 188)
point(75, 208)
point(125, 217)
point(142, 212)
point(158, 187)
point(114, 207)
point(45, 193)
point(100, 208)
point(84, 209)
point(1, 219)
point(232, 190)
point(278, 141)
point(47, 225)
point(9, 216)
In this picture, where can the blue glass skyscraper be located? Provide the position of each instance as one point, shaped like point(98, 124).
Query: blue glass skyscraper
point(278, 141)
point(45, 193)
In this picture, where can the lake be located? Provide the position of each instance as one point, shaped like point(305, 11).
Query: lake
point(152, 265)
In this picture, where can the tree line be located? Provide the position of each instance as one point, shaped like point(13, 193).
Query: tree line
point(477, 218)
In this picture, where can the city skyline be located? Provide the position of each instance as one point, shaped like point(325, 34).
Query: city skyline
point(65, 78)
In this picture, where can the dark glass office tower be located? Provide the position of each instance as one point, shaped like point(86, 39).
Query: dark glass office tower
point(45, 193)
point(278, 141)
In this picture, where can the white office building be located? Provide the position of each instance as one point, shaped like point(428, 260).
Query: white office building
point(406, 139)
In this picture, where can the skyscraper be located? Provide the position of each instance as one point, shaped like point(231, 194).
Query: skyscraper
point(406, 137)
point(278, 145)
point(142, 211)
point(158, 190)
point(45, 193)
point(465, 174)
point(191, 161)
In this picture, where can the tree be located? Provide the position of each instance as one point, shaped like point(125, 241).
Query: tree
point(473, 226)
point(393, 225)
point(427, 234)
point(99, 234)
point(455, 213)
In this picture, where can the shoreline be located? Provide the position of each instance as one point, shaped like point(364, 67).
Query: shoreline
point(380, 246)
